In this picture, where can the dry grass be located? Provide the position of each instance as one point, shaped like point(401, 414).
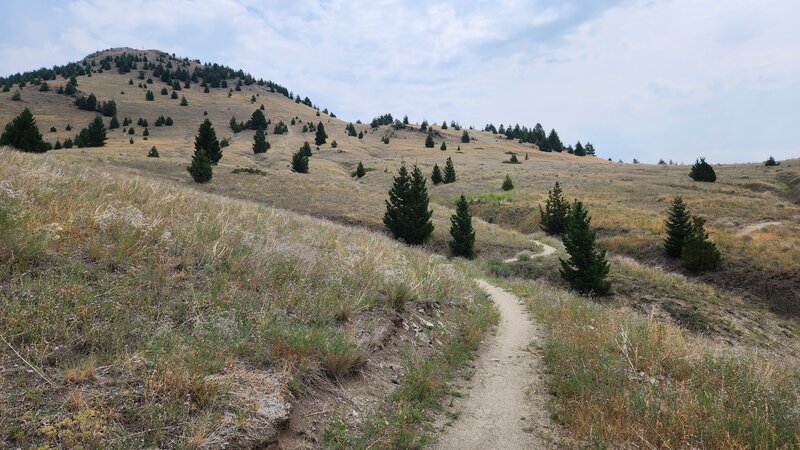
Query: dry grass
point(146, 290)
point(622, 379)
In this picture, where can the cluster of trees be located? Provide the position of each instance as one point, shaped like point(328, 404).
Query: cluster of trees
point(161, 120)
point(449, 175)
point(351, 129)
point(408, 216)
point(586, 267)
point(385, 119)
point(90, 103)
point(702, 171)
point(538, 136)
point(257, 122)
point(280, 128)
point(688, 240)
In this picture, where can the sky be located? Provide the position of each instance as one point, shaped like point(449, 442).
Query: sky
point(645, 79)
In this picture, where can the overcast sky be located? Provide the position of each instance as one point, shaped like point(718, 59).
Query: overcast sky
point(649, 79)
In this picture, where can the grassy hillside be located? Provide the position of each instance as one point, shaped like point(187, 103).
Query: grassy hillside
point(136, 312)
point(155, 309)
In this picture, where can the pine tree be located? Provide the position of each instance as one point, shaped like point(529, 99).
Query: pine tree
point(555, 214)
point(200, 168)
point(299, 162)
point(429, 141)
point(699, 254)
point(590, 149)
point(360, 171)
point(586, 269)
point(149, 96)
point(361, 135)
point(407, 215)
point(153, 153)
point(771, 162)
point(678, 226)
point(23, 134)
point(114, 123)
point(305, 150)
point(554, 143)
point(443, 147)
point(92, 136)
point(320, 137)
point(184, 102)
point(436, 175)
point(465, 137)
point(258, 121)
point(579, 150)
point(260, 144)
point(206, 139)
point(513, 159)
point(449, 172)
point(507, 183)
point(461, 231)
point(702, 171)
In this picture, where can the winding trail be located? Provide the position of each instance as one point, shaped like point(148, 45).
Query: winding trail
point(547, 250)
point(505, 405)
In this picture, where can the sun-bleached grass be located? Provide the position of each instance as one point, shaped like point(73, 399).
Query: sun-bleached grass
point(618, 378)
point(113, 280)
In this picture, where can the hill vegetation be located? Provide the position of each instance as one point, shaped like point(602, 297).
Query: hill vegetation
point(154, 300)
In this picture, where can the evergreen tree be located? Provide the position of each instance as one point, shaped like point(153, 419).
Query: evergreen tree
point(702, 171)
point(23, 134)
point(200, 168)
point(699, 254)
point(360, 171)
point(429, 141)
point(771, 162)
point(184, 102)
point(153, 153)
point(361, 135)
point(305, 150)
point(260, 144)
point(554, 143)
point(258, 121)
point(449, 172)
point(351, 130)
point(174, 95)
point(507, 183)
point(149, 96)
point(513, 159)
point(407, 215)
point(405, 120)
point(114, 123)
point(579, 150)
point(465, 137)
point(461, 231)
point(164, 91)
point(436, 175)
point(586, 269)
point(444, 124)
point(320, 138)
point(555, 214)
point(300, 162)
point(92, 136)
point(206, 140)
point(589, 149)
point(678, 226)
point(443, 147)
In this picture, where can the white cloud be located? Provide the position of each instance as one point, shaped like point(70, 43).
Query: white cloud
point(641, 78)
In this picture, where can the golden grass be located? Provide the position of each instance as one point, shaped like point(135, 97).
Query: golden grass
point(165, 287)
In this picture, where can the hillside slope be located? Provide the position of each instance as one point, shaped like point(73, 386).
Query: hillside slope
point(138, 313)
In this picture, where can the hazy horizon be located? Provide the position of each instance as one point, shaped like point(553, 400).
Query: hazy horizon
point(639, 79)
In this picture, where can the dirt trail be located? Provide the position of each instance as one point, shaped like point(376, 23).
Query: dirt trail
point(505, 405)
point(546, 251)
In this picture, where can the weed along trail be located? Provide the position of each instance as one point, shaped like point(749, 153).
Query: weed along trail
point(504, 407)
